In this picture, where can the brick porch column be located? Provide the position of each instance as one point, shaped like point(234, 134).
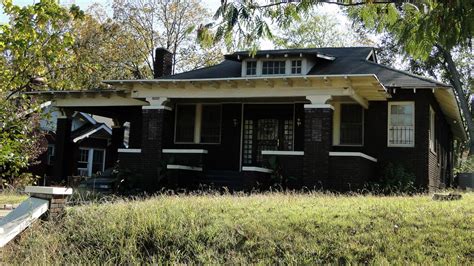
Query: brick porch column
point(152, 139)
point(63, 149)
point(116, 143)
point(56, 196)
point(317, 141)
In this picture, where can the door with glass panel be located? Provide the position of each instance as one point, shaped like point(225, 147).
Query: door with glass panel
point(267, 127)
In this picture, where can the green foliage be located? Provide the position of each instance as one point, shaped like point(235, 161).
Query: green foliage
point(11, 197)
point(262, 229)
point(465, 166)
point(317, 30)
point(20, 140)
point(34, 48)
point(395, 180)
point(167, 24)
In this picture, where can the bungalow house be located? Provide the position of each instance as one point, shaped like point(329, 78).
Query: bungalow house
point(331, 118)
point(89, 137)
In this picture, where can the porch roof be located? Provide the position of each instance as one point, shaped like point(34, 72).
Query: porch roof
point(361, 87)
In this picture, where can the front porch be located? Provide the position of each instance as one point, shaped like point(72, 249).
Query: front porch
point(259, 132)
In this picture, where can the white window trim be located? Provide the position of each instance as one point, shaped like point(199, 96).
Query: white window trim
point(389, 122)
point(274, 60)
point(48, 161)
point(432, 131)
point(337, 125)
point(288, 60)
point(244, 68)
point(90, 159)
point(291, 66)
point(197, 124)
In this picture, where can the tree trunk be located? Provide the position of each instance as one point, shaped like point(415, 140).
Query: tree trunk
point(455, 80)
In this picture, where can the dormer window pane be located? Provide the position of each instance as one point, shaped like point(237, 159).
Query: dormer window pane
point(251, 68)
point(273, 67)
point(296, 67)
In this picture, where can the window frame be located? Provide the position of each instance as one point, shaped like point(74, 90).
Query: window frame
point(432, 131)
point(340, 126)
point(247, 65)
point(49, 155)
point(197, 124)
point(300, 67)
point(389, 112)
point(90, 159)
point(284, 60)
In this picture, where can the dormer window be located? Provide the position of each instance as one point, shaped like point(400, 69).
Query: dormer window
point(296, 66)
point(273, 68)
point(251, 68)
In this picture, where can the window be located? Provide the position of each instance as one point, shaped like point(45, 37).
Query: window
point(198, 123)
point(211, 124)
point(248, 142)
point(273, 67)
point(185, 116)
point(251, 68)
point(352, 117)
point(296, 66)
point(432, 130)
point(90, 161)
point(98, 161)
point(401, 124)
point(50, 154)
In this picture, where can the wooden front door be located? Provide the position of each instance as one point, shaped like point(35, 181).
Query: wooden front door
point(266, 127)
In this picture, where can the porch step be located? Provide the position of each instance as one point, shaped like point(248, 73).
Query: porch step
point(218, 179)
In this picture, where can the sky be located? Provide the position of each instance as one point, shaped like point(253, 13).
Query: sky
point(212, 5)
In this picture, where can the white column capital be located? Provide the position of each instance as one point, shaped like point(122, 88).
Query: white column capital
point(319, 101)
point(157, 103)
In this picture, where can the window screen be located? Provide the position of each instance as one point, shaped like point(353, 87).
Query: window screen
point(351, 124)
point(210, 123)
point(185, 115)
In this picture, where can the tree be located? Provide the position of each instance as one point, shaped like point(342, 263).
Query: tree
point(35, 49)
point(420, 27)
point(168, 24)
point(317, 30)
point(243, 23)
point(104, 49)
point(432, 32)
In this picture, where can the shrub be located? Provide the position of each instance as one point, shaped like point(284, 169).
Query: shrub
point(395, 180)
point(465, 166)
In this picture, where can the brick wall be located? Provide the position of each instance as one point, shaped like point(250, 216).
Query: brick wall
point(291, 167)
point(418, 159)
point(349, 173)
point(317, 143)
point(152, 136)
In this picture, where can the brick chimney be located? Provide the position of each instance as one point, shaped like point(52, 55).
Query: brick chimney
point(163, 64)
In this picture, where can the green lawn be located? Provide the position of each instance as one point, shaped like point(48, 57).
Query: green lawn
point(11, 198)
point(267, 229)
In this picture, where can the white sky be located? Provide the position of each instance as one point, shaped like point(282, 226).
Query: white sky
point(212, 5)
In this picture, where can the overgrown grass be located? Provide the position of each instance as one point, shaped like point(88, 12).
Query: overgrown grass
point(9, 197)
point(267, 229)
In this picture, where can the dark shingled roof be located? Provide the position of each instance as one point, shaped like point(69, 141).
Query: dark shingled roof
point(348, 60)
